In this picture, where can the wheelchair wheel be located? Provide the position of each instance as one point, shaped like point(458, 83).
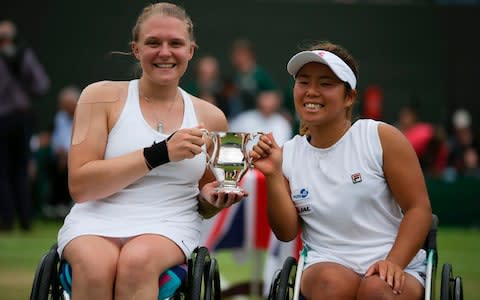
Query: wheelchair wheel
point(446, 285)
point(286, 282)
point(458, 289)
point(45, 284)
point(213, 290)
point(274, 285)
point(197, 277)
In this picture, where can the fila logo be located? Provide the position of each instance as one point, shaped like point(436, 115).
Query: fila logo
point(356, 178)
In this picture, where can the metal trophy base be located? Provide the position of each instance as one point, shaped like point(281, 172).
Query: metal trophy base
point(228, 189)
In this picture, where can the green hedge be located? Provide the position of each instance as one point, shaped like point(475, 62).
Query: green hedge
point(456, 203)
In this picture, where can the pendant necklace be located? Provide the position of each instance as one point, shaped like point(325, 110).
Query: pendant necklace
point(160, 124)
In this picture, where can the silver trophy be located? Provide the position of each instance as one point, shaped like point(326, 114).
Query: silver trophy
point(229, 159)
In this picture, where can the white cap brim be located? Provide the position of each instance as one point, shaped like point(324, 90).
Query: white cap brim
point(335, 63)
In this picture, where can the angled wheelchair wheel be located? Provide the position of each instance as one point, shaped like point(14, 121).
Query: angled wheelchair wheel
point(446, 284)
point(198, 283)
point(458, 289)
point(274, 285)
point(45, 284)
point(286, 281)
point(212, 289)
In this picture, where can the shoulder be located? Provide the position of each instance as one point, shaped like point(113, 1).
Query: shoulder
point(393, 141)
point(210, 115)
point(388, 133)
point(104, 92)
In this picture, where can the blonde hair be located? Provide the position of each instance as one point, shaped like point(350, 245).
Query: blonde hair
point(163, 9)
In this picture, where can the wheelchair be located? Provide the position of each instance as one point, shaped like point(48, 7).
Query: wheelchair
point(286, 281)
point(201, 282)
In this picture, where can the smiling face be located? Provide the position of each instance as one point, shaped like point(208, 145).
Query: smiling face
point(320, 96)
point(163, 48)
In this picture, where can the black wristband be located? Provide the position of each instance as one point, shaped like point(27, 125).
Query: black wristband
point(156, 155)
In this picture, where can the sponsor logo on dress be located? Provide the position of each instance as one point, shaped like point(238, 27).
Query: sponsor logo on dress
point(356, 178)
point(300, 194)
point(304, 208)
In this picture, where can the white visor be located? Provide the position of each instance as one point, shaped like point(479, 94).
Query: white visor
point(335, 63)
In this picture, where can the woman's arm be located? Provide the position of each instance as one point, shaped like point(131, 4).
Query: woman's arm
point(282, 214)
point(91, 177)
point(405, 179)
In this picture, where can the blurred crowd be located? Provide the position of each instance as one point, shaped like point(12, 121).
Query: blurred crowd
point(34, 181)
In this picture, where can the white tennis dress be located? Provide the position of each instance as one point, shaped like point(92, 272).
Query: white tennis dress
point(349, 214)
point(163, 202)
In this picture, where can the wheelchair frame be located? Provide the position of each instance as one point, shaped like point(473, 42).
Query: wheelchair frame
point(202, 281)
point(286, 281)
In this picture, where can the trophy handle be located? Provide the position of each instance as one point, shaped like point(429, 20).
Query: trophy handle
point(211, 136)
point(250, 137)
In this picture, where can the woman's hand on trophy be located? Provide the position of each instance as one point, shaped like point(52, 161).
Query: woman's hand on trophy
point(220, 199)
point(267, 155)
point(185, 143)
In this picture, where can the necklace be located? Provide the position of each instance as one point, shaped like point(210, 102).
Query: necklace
point(160, 122)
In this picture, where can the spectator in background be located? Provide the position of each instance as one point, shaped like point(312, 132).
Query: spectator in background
point(61, 137)
point(266, 117)
point(249, 78)
point(22, 79)
point(39, 173)
point(471, 165)
point(208, 83)
point(461, 139)
point(429, 143)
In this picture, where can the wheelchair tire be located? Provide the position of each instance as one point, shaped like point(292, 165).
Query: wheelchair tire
point(37, 278)
point(45, 284)
point(286, 281)
point(274, 285)
point(198, 282)
point(212, 287)
point(458, 289)
point(446, 286)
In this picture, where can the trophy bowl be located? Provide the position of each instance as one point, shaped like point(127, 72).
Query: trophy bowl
point(229, 160)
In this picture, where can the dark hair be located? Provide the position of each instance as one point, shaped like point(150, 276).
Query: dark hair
point(344, 55)
point(340, 52)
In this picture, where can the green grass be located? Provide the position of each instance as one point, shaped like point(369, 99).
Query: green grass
point(461, 248)
point(20, 252)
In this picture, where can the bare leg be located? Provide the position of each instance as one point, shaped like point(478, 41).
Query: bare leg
point(93, 260)
point(329, 281)
point(142, 260)
point(374, 288)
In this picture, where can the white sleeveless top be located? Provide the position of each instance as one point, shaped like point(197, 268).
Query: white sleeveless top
point(349, 215)
point(162, 202)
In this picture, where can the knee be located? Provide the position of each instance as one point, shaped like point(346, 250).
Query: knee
point(93, 271)
point(374, 288)
point(324, 286)
point(137, 263)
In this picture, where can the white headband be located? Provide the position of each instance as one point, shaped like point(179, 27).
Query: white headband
point(338, 66)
